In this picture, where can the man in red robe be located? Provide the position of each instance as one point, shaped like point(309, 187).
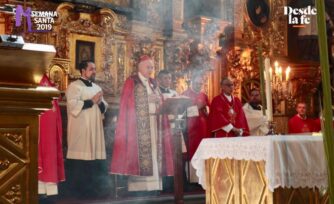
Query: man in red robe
point(227, 118)
point(300, 123)
point(196, 124)
point(50, 154)
point(142, 146)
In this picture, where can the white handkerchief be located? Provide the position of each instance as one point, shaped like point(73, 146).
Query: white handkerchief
point(192, 111)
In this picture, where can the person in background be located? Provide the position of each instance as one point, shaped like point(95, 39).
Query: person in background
point(165, 82)
point(197, 116)
point(300, 123)
point(227, 118)
point(257, 122)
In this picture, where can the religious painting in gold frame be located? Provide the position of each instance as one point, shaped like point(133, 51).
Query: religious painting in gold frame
point(97, 50)
point(84, 51)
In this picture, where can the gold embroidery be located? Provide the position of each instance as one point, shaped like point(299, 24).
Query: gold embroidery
point(143, 131)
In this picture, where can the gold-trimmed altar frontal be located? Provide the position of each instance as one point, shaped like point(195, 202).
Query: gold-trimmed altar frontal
point(240, 181)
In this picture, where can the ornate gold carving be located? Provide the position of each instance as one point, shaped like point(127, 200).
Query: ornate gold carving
point(273, 36)
point(121, 66)
point(58, 72)
point(4, 164)
point(144, 46)
point(105, 28)
point(17, 138)
point(195, 54)
point(14, 195)
point(104, 24)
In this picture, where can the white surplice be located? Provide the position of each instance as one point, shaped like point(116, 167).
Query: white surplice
point(257, 122)
point(85, 136)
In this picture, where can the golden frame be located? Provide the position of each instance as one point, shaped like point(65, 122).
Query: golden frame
point(97, 51)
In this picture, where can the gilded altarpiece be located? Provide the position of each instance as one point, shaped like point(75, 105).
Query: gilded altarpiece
point(242, 60)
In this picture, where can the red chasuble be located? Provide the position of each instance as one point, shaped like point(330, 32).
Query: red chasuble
point(222, 113)
point(50, 154)
point(197, 126)
point(128, 157)
point(299, 125)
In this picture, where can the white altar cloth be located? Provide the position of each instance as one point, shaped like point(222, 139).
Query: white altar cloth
point(290, 161)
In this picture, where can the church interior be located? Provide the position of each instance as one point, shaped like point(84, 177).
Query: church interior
point(213, 38)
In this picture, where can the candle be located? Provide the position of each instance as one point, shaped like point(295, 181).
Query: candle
point(280, 73)
point(287, 73)
point(276, 64)
point(271, 73)
point(268, 90)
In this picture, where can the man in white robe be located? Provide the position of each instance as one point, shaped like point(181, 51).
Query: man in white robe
point(257, 122)
point(86, 150)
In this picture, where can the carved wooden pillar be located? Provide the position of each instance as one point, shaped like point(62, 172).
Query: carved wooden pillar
point(20, 106)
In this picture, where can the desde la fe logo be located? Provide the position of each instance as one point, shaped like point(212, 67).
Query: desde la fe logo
point(299, 17)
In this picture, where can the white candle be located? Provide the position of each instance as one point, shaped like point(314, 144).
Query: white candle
point(268, 90)
point(287, 73)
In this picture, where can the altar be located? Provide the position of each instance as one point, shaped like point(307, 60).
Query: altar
point(271, 169)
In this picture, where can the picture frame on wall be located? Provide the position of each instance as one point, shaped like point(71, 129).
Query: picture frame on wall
point(84, 50)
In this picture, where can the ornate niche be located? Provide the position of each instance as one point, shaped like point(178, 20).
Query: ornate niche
point(102, 28)
point(58, 72)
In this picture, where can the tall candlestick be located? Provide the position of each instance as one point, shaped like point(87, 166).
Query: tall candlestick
point(268, 90)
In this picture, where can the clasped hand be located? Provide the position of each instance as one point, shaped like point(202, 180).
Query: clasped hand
point(97, 97)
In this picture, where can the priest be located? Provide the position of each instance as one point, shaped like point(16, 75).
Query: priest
point(142, 150)
point(227, 118)
point(86, 152)
point(165, 82)
point(197, 114)
point(257, 122)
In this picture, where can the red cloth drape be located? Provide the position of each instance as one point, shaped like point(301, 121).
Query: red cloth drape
point(50, 154)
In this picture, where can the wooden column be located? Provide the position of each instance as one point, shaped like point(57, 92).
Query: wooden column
point(178, 167)
point(20, 105)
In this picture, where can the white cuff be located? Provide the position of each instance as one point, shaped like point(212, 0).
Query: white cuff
point(228, 128)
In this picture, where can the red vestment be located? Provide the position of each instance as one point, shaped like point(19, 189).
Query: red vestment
point(50, 154)
point(126, 152)
point(223, 113)
point(298, 125)
point(197, 126)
